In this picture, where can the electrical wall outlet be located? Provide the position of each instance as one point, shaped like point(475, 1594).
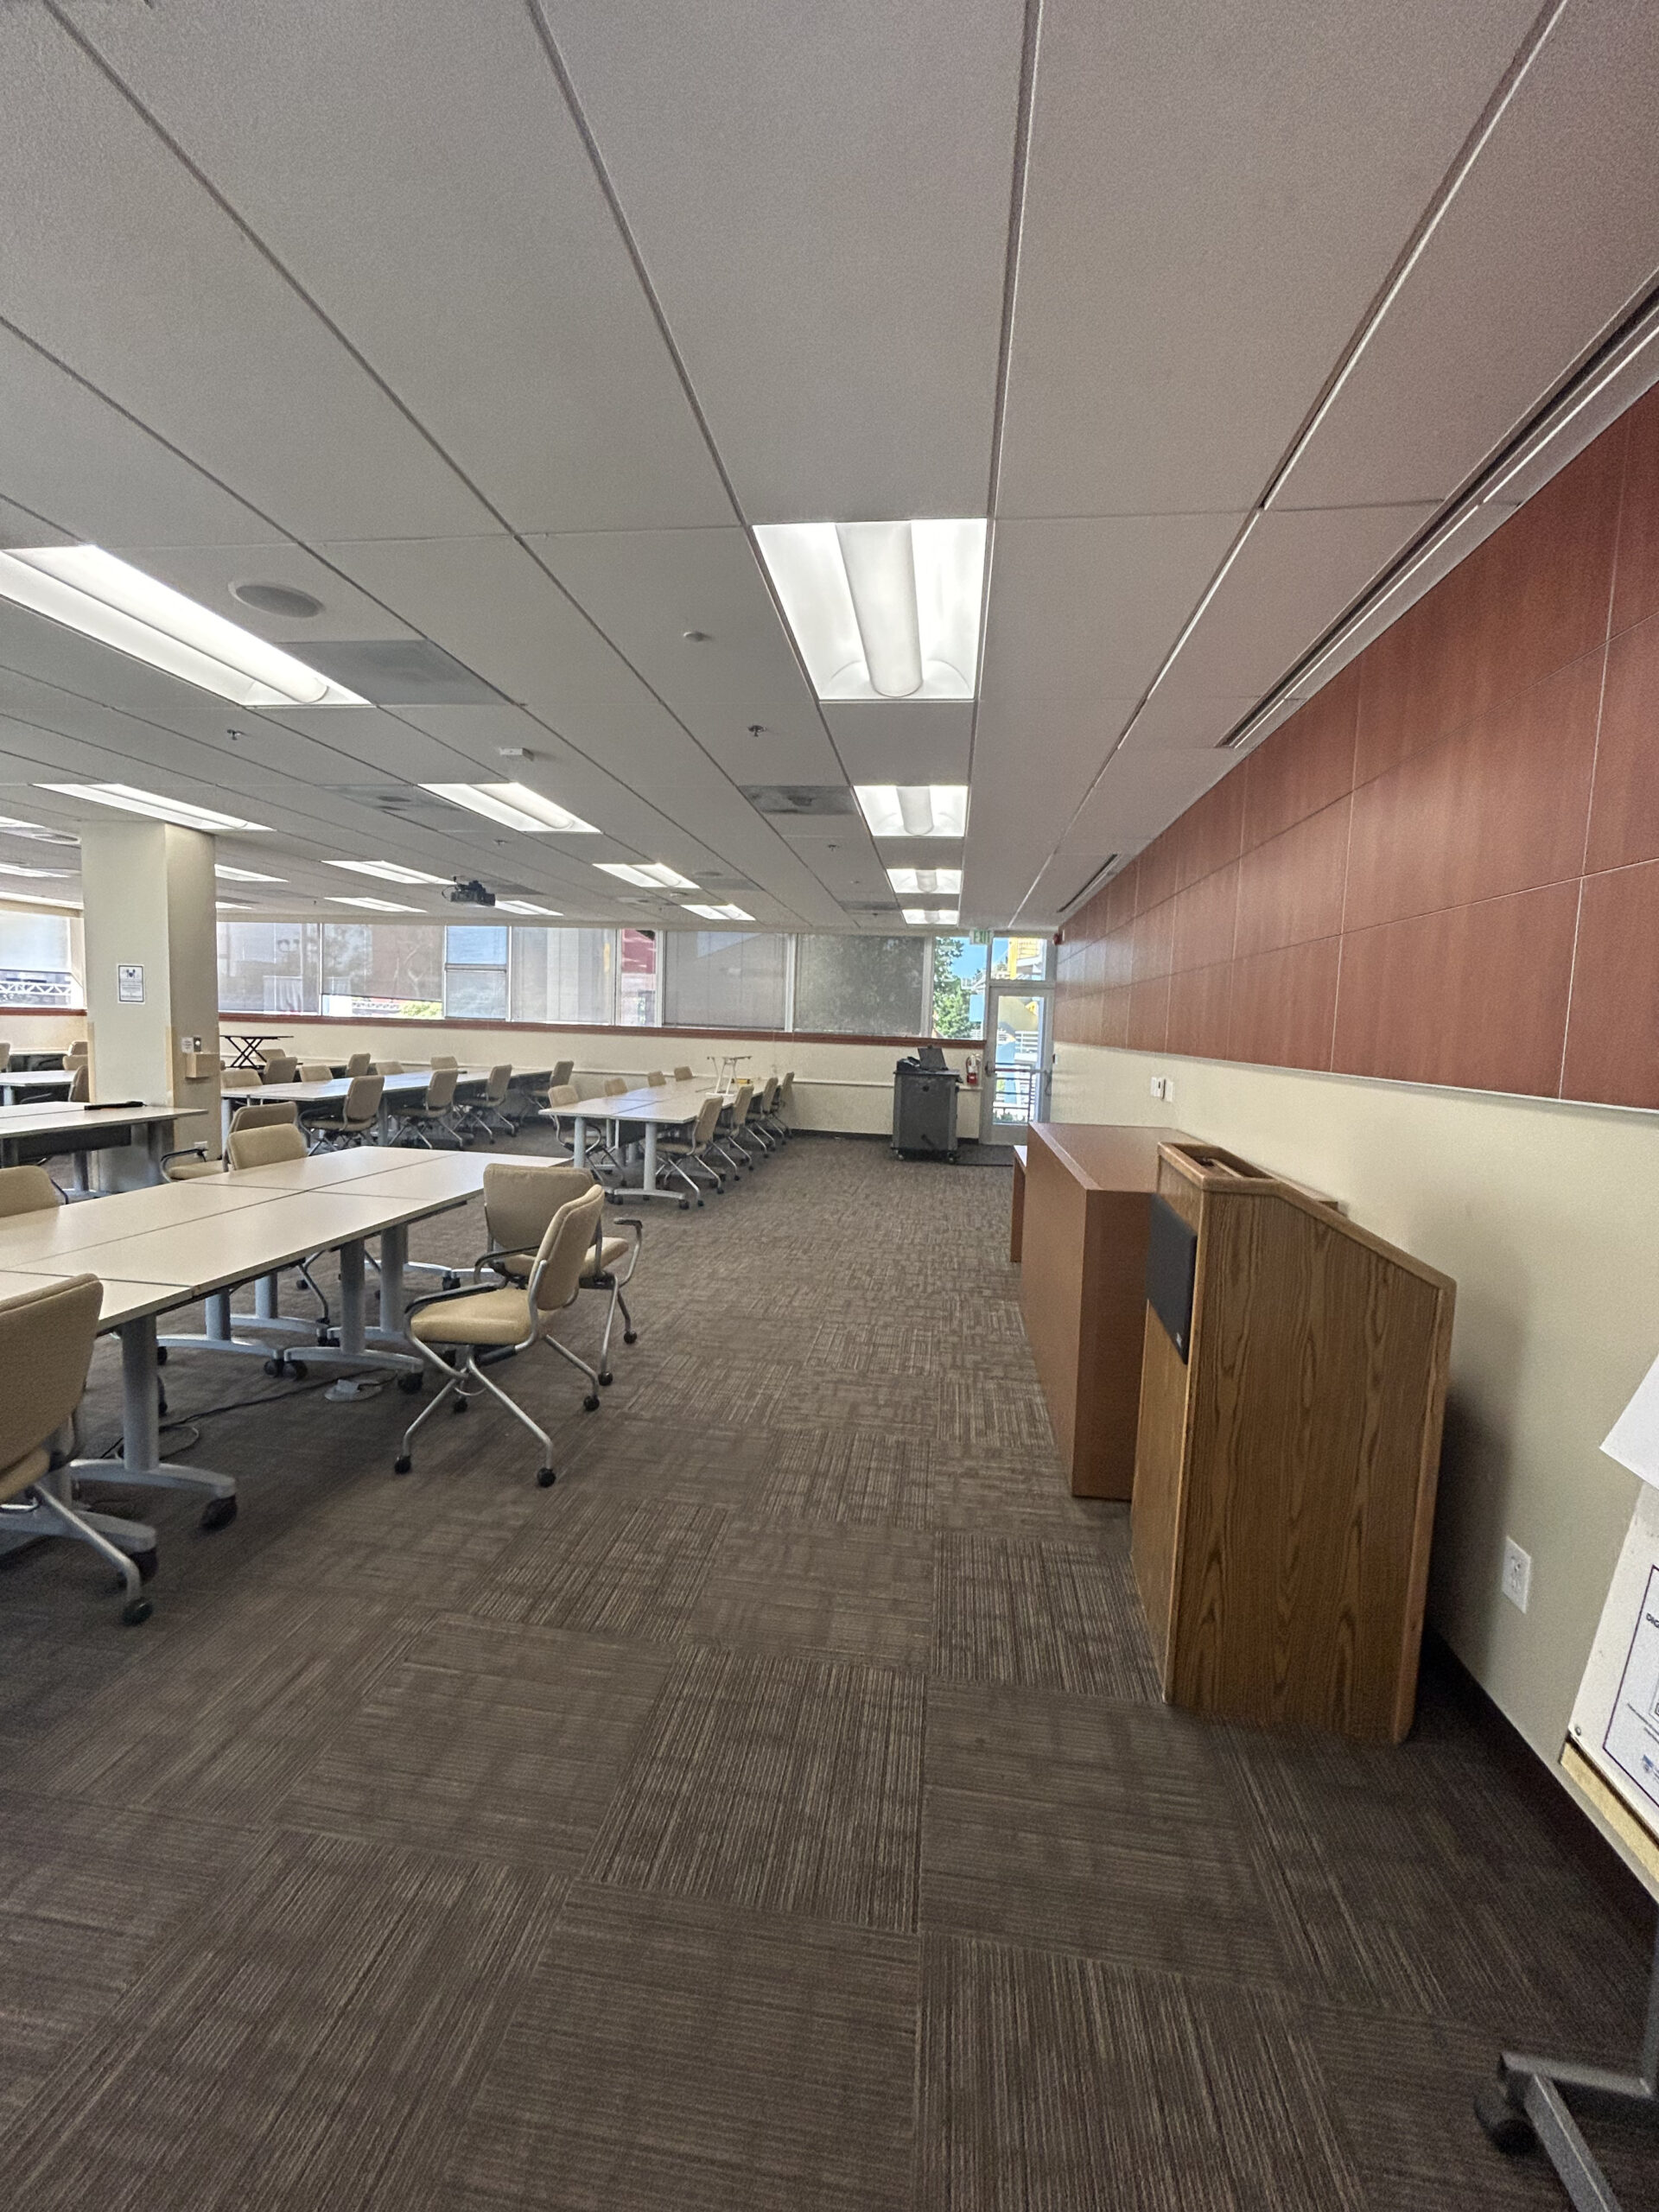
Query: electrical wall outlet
point(1517, 1573)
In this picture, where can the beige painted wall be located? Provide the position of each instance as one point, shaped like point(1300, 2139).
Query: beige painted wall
point(1547, 1216)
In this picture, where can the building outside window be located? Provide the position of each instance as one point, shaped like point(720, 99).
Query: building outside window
point(959, 966)
point(475, 972)
point(388, 970)
point(37, 961)
point(636, 979)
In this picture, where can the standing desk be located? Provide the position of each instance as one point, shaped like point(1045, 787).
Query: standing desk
point(675, 1105)
point(247, 1044)
point(1086, 1211)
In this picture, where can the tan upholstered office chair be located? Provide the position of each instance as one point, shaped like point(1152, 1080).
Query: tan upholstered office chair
point(562, 1071)
point(759, 1107)
point(616, 1086)
point(487, 1116)
point(687, 1156)
point(5, 1055)
point(683, 1075)
point(280, 1067)
point(520, 1197)
point(387, 1067)
point(45, 1348)
point(78, 1050)
point(561, 1097)
point(272, 1114)
point(355, 1123)
point(782, 1104)
point(79, 1090)
point(265, 1143)
point(443, 1060)
point(513, 1319)
point(728, 1138)
point(656, 1080)
point(27, 1190)
point(315, 1072)
point(359, 1063)
point(418, 1121)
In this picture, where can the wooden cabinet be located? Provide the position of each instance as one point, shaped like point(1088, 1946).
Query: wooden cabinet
point(1087, 1192)
point(1284, 1470)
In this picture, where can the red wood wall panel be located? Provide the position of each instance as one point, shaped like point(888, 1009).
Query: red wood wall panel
point(1445, 868)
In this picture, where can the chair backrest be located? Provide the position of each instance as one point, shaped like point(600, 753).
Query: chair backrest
point(768, 1094)
point(441, 1090)
point(616, 1086)
point(280, 1067)
point(561, 1074)
point(683, 1075)
point(279, 1113)
point(263, 1148)
point(5, 1054)
point(442, 1060)
point(707, 1116)
point(387, 1067)
point(656, 1080)
point(564, 1096)
point(741, 1104)
point(362, 1101)
point(495, 1091)
point(79, 1089)
point(521, 1195)
point(78, 1050)
point(27, 1190)
point(359, 1063)
point(315, 1072)
point(45, 1348)
point(562, 1252)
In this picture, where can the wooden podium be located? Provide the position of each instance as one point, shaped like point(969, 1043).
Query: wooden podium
point(1287, 1456)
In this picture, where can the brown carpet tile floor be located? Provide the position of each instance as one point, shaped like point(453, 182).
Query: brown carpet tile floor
point(777, 1813)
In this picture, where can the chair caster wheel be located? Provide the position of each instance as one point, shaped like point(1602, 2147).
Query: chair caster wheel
point(160, 1354)
point(135, 1614)
point(631, 1336)
point(459, 1405)
point(298, 1369)
point(401, 1464)
point(278, 1366)
point(699, 1203)
point(218, 1513)
point(544, 1477)
point(410, 1385)
point(161, 1401)
point(452, 1282)
point(328, 1336)
point(607, 1380)
point(685, 1204)
point(590, 1403)
point(1508, 2130)
point(146, 1563)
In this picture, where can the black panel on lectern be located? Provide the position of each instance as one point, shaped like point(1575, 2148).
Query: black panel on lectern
point(1171, 1263)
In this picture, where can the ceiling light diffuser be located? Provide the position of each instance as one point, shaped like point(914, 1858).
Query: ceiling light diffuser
point(523, 907)
point(389, 871)
point(58, 874)
point(374, 906)
point(719, 913)
point(914, 810)
point(87, 589)
point(881, 610)
point(925, 878)
point(514, 805)
point(653, 876)
point(131, 800)
point(931, 914)
point(233, 906)
point(36, 899)
point(229, 874)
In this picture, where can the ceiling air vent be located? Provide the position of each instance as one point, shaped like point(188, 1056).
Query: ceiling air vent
point(799, 798)
point(399, 673)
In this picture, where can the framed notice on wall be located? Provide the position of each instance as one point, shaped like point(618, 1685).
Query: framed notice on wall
point(130, 983)
point(1612, 1740)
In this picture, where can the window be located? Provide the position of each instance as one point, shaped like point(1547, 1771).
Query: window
point(475, 973)
point(1019, 959)
point(562, 976)
point(868, 986)
point(382, 968)
point(724, 979)
point(636, 978)
point(959, 987)
point(268, 967)
point(37, 963)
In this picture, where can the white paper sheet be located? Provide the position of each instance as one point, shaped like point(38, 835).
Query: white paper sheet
point(1633, 1440)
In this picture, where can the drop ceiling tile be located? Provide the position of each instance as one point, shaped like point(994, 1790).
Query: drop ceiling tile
point(820, 196)
point(115, 258)
point(1213, 201)
point(1180, 717)
point(205, 574)
point(903, 740)
point(1549, 239)
point(1139, 794)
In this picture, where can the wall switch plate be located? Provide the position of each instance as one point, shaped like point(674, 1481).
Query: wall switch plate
point(1156, 1086)
point(1169, 1090)
point(1517, 1573)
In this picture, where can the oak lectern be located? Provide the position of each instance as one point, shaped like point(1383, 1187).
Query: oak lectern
point(1292, 1392)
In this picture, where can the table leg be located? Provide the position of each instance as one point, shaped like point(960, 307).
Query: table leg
point(351, 1297)
point(648, 1172)
point(394, 1257)
point(579, 1140)
point(141, 1461)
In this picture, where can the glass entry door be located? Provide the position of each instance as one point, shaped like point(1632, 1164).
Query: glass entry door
point(1018, 1039)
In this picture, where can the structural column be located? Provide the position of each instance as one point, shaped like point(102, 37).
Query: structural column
point(152, 967)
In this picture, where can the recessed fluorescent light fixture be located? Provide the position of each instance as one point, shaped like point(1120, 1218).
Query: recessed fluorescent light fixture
point(229, 874)
point(925, 878)
point(36, 899)
point(653, 876)
point(234, 905)
point(914, 810)
point(57, 874)
point(14, 828)
point(515, 806)
point(931, 913)
point(523, 907)
point(374, 906)
point(87, 589)
point(720, 913)
point(131, 800)
point(389, 872)
point(881, 610)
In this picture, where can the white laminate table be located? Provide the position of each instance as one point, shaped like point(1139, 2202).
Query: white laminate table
point(14, 1079)
point(54, 1130)
point(671, 1106)
point(406, 1090)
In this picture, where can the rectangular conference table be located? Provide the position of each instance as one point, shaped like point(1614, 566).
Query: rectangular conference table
point(14, 1079)
point(52, 1132)
point(674, 1105)
point(170, 1245)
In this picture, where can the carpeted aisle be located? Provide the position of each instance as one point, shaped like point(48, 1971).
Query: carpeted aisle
point(778, 1812)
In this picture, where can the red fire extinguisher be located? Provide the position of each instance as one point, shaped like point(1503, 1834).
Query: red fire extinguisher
point(972, 1071)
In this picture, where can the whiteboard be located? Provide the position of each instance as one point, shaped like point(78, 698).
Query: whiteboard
point(1615, 1725)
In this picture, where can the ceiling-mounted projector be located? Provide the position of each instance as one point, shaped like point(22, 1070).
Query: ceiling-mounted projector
point(470, 894)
